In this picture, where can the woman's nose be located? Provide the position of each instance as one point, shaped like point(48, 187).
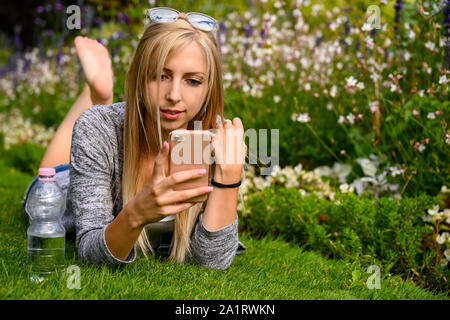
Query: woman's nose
point(174, 94)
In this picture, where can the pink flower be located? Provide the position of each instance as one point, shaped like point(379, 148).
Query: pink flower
point(415, 112)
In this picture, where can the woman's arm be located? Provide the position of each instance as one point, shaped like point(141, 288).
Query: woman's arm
point(221, 208)
point(215, 242)
point(122, 233)
point(89, 193)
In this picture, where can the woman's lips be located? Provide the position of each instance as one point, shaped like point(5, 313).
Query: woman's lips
point(171, 116)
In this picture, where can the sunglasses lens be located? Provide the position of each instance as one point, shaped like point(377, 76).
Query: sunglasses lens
point(202, 21)
point(163, 15)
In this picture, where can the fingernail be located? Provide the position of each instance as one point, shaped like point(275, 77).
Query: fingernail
point(207, 189)
point(201, 171)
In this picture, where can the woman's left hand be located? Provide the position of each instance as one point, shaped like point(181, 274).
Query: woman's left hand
point(230, 151)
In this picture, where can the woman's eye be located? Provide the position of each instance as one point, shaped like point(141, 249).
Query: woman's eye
point(162, 76)
point(194, 82)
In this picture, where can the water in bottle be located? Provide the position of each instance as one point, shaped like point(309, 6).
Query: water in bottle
point(46, 235)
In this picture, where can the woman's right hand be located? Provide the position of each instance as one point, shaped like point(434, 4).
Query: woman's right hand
point(157, 199)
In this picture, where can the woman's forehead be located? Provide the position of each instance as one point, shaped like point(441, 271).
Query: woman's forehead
point(189, 59)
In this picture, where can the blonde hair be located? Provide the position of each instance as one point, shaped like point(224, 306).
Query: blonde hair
point(158, 42)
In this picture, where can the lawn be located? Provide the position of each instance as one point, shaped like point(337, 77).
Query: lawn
point(270, 269)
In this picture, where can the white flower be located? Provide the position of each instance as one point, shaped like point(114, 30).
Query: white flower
point(407, 55)
point(443, 79)
point(447, 254)
point(421, 147)
point(275, 170)
point(367, 166)
point(351, 82)
point(333, 91)
point(341, 171)
point(440, 239)
point(360, 85)
point(411, 34)
point(431, 115)
point(303, 117)
point(444, 262)
point(259, 183)
point(276, 99)
point(430, 45)
point(393, 87)
point(433, 210)
point(341, 119)
point(366, 27)
point(345, 188)
point(228, 76)
point(351, 118)
point(446, 215)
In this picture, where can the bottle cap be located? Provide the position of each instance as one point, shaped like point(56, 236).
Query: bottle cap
point(47, 172)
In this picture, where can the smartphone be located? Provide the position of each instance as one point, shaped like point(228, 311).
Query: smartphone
point(191, 149)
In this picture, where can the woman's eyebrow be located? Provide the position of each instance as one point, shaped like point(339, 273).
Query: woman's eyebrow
point(187, 73)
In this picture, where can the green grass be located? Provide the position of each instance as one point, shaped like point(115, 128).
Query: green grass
point(270, 269)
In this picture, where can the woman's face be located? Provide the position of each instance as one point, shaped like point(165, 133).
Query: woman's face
point(183, 86)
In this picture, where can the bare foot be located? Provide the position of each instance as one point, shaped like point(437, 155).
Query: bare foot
point(96, 64)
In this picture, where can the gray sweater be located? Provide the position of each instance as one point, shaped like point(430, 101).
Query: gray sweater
point(96, 161)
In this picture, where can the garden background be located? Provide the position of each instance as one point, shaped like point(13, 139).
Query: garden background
point(362, 110)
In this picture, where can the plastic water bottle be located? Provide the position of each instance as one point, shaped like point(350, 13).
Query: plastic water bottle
point(46, 235)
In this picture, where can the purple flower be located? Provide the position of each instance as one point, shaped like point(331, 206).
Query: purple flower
point(40, 9)
point(398, 6)
point(18, 42)
point(346, 27)
point(26, 65)
point(248, 30)
point(58, 57)
point(318, 40)
point(58, 6)
point(98, 21)
point(119, 16)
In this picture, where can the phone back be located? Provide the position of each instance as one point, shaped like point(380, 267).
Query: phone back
point(191, 149)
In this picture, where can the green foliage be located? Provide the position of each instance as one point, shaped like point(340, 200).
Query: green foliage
point(24, 157)
point(387, 232)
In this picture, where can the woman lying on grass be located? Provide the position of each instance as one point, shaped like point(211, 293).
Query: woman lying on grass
point(111, 161)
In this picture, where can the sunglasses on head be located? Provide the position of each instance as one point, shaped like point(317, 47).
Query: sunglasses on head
point(198, 20)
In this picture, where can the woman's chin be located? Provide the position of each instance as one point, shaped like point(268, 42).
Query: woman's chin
point(172, 125)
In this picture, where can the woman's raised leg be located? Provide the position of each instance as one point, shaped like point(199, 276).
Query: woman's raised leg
point(97, 69)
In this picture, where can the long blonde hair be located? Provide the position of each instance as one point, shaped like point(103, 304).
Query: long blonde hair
point(159, 42)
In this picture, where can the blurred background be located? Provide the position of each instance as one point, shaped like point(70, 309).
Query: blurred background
point(359, 93)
